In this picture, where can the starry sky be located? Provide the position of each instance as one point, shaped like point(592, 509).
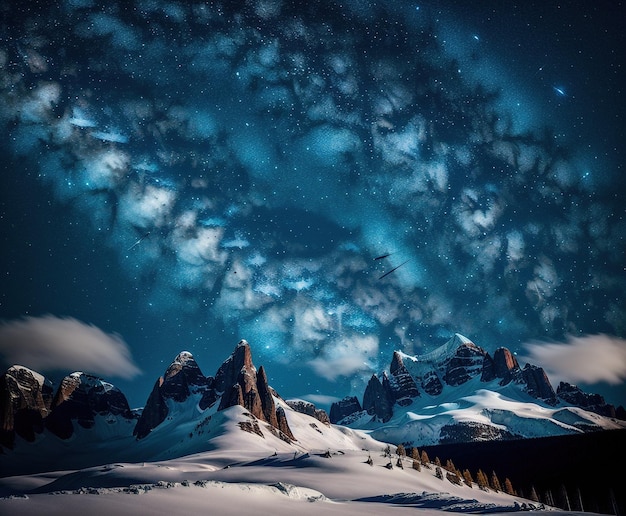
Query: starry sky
point(329, 180)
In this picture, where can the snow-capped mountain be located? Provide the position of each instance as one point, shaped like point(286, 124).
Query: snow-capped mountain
point(88, 421)
point(460, 393)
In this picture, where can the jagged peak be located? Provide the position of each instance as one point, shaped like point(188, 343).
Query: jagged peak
point(17, 369)
point(396, 363)
point(184, 357)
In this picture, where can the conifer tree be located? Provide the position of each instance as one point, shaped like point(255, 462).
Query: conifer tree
point(467, 476)
point(416, 465)
point(481, 480)
point(401, 451)
point(450, 466)
point(533, 494)
point(438, 473)
point(425, 459)
point(495, 483)
point(508, 487)
point(437, 462)
point(415, 453)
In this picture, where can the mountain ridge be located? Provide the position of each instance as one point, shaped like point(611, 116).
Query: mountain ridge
point(460, 392)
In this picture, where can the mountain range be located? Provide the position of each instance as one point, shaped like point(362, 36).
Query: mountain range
point(461, 393)
point(457, 393)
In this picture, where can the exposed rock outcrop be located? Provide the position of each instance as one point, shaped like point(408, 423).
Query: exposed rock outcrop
point(80, 398)
point(573, 395)
point(308, 408)
point(236, 382)
point(378, 399)
point(250, 389)
point(538, 385)
point(182, 379)
point(503, 365)
point(431, 384)
point(466, 364)
point(25, 401)
point(343, 408)
point(403, 385)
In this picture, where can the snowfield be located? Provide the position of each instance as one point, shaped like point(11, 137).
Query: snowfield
point(325, 471)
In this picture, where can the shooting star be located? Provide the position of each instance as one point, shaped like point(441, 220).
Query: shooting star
point(394, 269)
point(383, 256)
point(138, 241)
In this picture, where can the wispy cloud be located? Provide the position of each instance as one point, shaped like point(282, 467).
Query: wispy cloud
point(588, 359)
point(348, 356)
point(51, 343)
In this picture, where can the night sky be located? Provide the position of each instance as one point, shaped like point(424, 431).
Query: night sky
point(179, 176)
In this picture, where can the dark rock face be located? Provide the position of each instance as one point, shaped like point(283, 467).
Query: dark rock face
point(472, 432)
point(228, 373)
point(343, 408)
point(593, 402)
point(283, 425)
point(466, 363)
point(538, 385)
point(153, 414)
point(403, 385)
point(80, 398)
point(431, 384)
point(305, 407)
point(378, 400)
point(182, 378)
point(236, 383)
point(250, 389)
point(505, 366)
point(25, 401)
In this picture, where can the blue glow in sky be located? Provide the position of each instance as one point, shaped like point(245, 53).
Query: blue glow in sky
point(182, 176)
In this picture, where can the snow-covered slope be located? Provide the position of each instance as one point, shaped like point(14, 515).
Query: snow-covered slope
point(459, 393)
point(246, 472)
point(478, 411)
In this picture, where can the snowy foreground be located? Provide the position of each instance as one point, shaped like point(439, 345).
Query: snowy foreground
point(222, 484)
point(325, 471)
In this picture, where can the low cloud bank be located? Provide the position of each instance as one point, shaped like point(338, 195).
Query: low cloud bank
point(588, 359)
point(51, 343)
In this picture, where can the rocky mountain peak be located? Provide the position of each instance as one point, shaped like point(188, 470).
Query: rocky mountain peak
point(25, 401)
point(228, 373)
point(81, 397)
point(397, 363)
point(378, 399)
point(236, 382)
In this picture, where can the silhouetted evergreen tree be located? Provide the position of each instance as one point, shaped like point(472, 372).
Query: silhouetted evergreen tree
point(425, 459)
point(415, 454)
point(438, 473)
point(416, 465)
point(401, 451)
point(533, 494)
point(437, 462)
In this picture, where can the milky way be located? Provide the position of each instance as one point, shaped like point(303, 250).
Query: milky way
point(259, 169)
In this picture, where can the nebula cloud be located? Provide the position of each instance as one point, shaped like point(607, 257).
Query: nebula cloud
point(249, 161)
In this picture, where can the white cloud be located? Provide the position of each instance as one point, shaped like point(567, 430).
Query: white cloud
point(50, 343)
point(346, 357)
point(588, 359)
